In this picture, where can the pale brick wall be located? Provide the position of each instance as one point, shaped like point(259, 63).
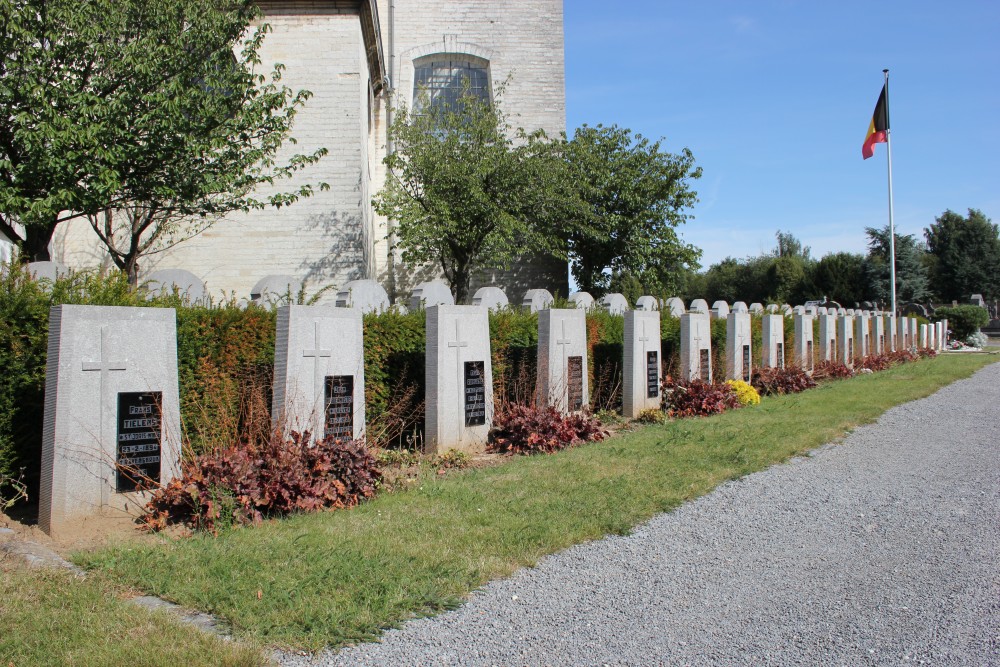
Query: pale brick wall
point(334, 236)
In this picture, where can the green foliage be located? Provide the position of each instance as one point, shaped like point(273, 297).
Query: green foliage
point(468, 192)
point(911, 274)
point(841, 277)
point(963, 321)
point(967, 255)
point(635, 196)
point(138, 115)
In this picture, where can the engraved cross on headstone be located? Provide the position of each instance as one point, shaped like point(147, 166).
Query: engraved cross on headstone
point(565, 341)
point(316, 354)
point(457, 345)
point(104, 367)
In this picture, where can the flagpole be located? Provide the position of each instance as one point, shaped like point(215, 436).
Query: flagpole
point(892, 228)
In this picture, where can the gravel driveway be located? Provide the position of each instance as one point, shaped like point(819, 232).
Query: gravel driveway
point(879, 550)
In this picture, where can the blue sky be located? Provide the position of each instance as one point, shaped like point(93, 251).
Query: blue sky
point(774, 98)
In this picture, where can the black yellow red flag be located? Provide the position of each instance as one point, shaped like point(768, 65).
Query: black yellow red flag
point(878, 130)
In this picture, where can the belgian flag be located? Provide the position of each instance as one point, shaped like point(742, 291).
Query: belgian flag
point(878, 130)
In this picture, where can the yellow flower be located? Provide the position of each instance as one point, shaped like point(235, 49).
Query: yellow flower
point(746, 394)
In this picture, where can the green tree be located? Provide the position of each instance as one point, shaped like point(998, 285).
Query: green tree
point(967, 254)
point(636, 195)
point(841, 277)
point(911, 274)
point(137, 115)
point(466, 191)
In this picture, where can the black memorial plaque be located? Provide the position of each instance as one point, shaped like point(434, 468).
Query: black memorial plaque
point(652, 374)
point(139, 438)
point(705, 366)
point(574, 367)
point(475, 393)
point(780, 351)
point(746, 363)
point(339, 406)
point(809, 354)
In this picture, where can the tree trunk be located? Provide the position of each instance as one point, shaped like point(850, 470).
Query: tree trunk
point(36, 242)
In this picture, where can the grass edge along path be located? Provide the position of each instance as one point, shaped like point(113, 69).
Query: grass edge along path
point(51, 617)
point(341, 577)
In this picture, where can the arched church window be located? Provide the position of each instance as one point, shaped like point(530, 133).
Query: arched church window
point(441, 80)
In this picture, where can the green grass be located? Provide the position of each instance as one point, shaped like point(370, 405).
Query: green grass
point(50, 617)
point(341, 577)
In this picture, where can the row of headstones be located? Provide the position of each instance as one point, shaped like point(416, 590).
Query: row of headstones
point(845, 336)
point(112, 415)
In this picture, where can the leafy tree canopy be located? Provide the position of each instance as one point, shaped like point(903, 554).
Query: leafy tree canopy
point(967, 255)
point(912, 284)
point(143, 105)
point(636, 195)
point(467, 191)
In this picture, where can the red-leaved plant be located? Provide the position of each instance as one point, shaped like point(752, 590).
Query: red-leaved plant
point(697, 398)
point(773, 381)
point(527, 429)
point(828, 370)
point(244, 484)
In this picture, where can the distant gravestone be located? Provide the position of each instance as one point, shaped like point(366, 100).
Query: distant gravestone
point(903, 339)
point(614, 303)
point(490, 298)
point(582, 300)
point(536, 300)
point(49, 271)
point(696, 347)
point(914, 331)
point(720, 310)
point(799, 310)
point(431, 293)
point(924, 337)
point(756, 309)
point(365, 295)
point(319, 371)
point(827, 336)
point(641, 379)
point(772, 308)
point(862, 335)
point(699, 306)
point(822, 310)
point(845, 340)
point(275, 290)
point(803, 341)
point(813, 310)
point(878, 335)
point(891, 333)
point(189, 286)
point(740, 307)
point(851, 312)
point(675, 306)
point(738, 343)
point(944, 334)
point(459, 378)
point(785, 309)
point(562, 359)
point(977, 300)
point(647, 303)
point(112, 415)
point(773, 341)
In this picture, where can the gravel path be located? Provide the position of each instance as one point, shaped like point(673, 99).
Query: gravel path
point(880, 550)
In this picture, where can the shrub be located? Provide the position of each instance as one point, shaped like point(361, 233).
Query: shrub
point(963, 320)
point(527, 429)
point(244, 484)
point(926, 353)
point(745, 393)
point(651, 416)
point(774, 381)
point(977, 339)
point(828, 370)
point(877, 362)
point(697, 398)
